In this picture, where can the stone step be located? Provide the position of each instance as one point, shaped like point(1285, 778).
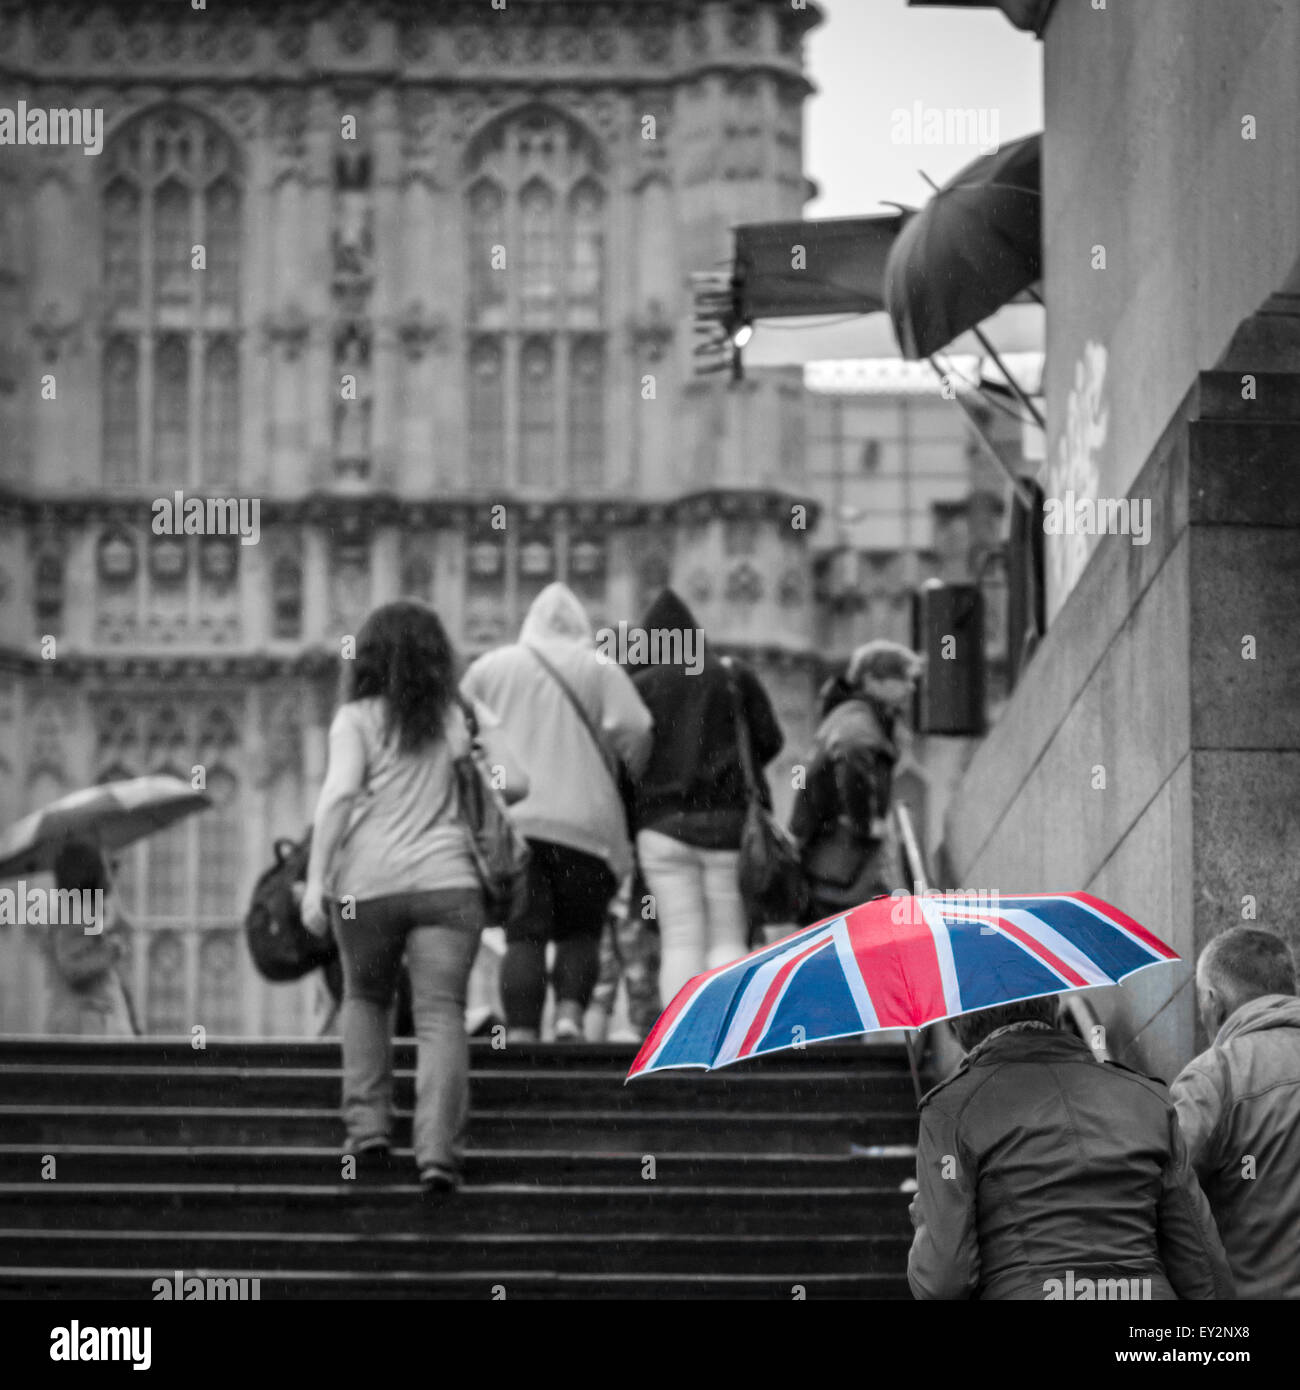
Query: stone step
point(81, 1282)
point(109, 1162)
point(318, 1088)
point(225, 1161)
point(372, 1209)
point(110, 1053)
point(649, 1131)
point(632, 1251)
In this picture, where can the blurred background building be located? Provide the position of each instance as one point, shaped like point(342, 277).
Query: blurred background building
point(443, 270)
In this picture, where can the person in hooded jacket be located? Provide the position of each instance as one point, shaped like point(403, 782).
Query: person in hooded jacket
point(840, 818)
point(573, 718)
point(691, 799)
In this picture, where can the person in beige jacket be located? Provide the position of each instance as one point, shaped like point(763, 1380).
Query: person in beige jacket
point(1239, 1107)
point(573, 717)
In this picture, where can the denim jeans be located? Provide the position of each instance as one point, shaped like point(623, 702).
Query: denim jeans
point(702, 919)
point(439, 932)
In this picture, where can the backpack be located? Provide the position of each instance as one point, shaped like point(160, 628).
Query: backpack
point(499, 851)
point(281, 947)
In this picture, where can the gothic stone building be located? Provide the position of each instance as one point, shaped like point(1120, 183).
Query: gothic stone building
point(381, 269)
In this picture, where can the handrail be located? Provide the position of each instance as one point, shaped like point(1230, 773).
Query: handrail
point(915, 862)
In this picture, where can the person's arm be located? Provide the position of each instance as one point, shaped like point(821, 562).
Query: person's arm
point(344, 778)
point(1200, 1104)
point(625, 721)
point(1190, 1248)
point(857, 791)
point(500, 755)
point(944, 1262)
point(764, 729)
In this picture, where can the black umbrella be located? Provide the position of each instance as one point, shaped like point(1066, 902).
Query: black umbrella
point(973, 248)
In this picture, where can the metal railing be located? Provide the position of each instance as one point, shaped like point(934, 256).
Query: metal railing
point(918, 882)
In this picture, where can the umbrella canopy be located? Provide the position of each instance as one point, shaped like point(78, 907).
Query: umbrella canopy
point(110, 815)
point(973, 247)
point(897, 962)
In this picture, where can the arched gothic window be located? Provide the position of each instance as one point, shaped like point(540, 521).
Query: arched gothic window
point(587, 411)
point(219, 832)
point(487, 412)
point(171, 184)
point(537, 417)
point(536, 211)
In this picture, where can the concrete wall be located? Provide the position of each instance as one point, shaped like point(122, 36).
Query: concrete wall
point(1144, 156)
point(1147, 756)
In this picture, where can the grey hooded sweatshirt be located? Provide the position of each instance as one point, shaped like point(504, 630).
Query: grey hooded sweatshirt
point(1239, 1109)
point(572, 798)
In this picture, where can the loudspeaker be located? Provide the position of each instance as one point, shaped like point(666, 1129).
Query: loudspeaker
point(948, 630)
point(1026, 588)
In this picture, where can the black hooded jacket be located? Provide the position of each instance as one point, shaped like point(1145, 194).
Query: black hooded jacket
point(693, 787)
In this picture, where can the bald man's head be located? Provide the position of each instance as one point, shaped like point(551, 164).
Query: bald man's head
point(1237, 966)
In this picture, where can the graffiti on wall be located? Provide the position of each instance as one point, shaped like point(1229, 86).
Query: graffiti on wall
point(1075, 468)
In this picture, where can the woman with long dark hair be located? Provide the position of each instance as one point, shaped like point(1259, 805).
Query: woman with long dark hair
point(391, 865)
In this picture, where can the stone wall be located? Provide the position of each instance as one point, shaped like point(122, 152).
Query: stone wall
point(1144, 156)
point(1151, 753)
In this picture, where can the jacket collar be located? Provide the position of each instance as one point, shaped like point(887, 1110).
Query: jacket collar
point(1037, 1044)
point(1266, 1011)
point(1018, 1045)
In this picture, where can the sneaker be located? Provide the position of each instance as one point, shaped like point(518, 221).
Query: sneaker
point(374, 1158)
point(568, 1030)
point(438, 1181)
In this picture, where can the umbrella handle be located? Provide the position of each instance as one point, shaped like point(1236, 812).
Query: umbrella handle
point(910, 1038)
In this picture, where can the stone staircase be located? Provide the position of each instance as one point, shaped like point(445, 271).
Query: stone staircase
point(767, 1178)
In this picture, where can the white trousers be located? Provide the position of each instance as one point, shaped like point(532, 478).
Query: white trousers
point(698, 907)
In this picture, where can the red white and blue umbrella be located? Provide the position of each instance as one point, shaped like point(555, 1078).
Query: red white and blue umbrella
point(897, 962)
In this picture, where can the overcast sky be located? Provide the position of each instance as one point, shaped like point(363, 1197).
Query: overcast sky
point(872, 58)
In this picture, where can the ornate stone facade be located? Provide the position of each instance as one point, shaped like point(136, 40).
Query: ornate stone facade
point(412, 277)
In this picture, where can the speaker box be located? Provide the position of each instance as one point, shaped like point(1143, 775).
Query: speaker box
point(948, 630)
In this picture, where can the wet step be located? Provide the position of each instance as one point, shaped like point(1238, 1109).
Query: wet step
point(650, 1131)
point(81, 1282)
point(108, 1162)
point(625, 1252)
point(112, 1053)
point(316, 1088)
point(775, 1179)
point(363, 1208)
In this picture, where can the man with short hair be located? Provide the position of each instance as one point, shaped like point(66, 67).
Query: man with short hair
point(1239, 1107)
point(1040, 1169)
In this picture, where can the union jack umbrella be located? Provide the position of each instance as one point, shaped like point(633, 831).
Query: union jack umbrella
point(897, 962)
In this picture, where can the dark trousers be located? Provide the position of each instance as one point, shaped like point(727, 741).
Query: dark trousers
point(568, 893)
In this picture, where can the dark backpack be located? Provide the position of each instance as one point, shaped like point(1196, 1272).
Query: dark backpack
point(281, 947)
